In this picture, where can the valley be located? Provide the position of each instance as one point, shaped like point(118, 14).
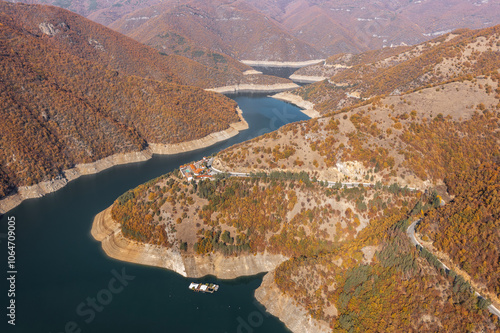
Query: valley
point(399, 154)
point(372, 208)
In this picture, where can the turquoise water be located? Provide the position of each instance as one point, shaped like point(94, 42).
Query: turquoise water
point(65, 283)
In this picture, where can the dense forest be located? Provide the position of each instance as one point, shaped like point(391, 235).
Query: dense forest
point(468, 227)
point(61, 107)
point(397, 289)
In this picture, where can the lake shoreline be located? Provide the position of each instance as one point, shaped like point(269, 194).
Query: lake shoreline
point(40, 189)
point(305, 107)
point(259, 88)
point(115, 245)
point(284, 307)
point(307, 78)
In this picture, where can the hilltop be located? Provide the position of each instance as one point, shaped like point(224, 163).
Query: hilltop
point(75, 92)
point(451, 57)
point(413, 140)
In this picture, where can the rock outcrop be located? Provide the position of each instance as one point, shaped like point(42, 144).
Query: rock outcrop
point(286, 309)
point(307, 107)
point(264, 88)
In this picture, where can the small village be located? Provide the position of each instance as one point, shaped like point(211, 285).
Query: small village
point(198, 170)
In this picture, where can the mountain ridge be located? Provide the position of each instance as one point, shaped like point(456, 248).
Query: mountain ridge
point(328, 26)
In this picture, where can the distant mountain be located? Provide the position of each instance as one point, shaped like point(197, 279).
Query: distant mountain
point(100, 11)
point(336, 26)
point(234, 28)
point(208, 70)
point(289, 29)
point(73, 91)
point(98, 43)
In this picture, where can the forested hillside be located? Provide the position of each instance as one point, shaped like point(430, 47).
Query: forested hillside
point(379, 283)
point(468, 227)
point(67, 97)
point(291, 213)
point(390, 161)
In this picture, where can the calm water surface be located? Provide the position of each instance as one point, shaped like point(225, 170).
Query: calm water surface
point(62, 270)
point(277, 71)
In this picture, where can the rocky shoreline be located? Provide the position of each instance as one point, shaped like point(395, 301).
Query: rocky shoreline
point(307, 107)
point(115, 245)
point(286, 309)
point(43, 188)
point(264, 88)
point(251, 72)
point(307, 78)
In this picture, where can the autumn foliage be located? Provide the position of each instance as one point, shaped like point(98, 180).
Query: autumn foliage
point(68, 98)
point(467, 228)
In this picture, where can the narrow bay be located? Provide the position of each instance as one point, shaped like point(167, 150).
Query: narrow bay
point(61, 268)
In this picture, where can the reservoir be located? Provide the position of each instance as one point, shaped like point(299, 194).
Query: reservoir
point(65, 282)
point(284, 72)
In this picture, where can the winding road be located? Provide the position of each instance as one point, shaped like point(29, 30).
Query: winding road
point(410, 231)
point(411, 234)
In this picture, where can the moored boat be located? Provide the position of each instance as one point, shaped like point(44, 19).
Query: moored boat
point(204, 287)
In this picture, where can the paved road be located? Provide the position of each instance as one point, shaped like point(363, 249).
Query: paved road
point(411, 234)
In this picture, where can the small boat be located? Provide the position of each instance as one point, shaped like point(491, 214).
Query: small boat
point(204, 287)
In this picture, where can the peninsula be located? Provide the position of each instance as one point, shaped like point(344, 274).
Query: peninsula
point(324, 204)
